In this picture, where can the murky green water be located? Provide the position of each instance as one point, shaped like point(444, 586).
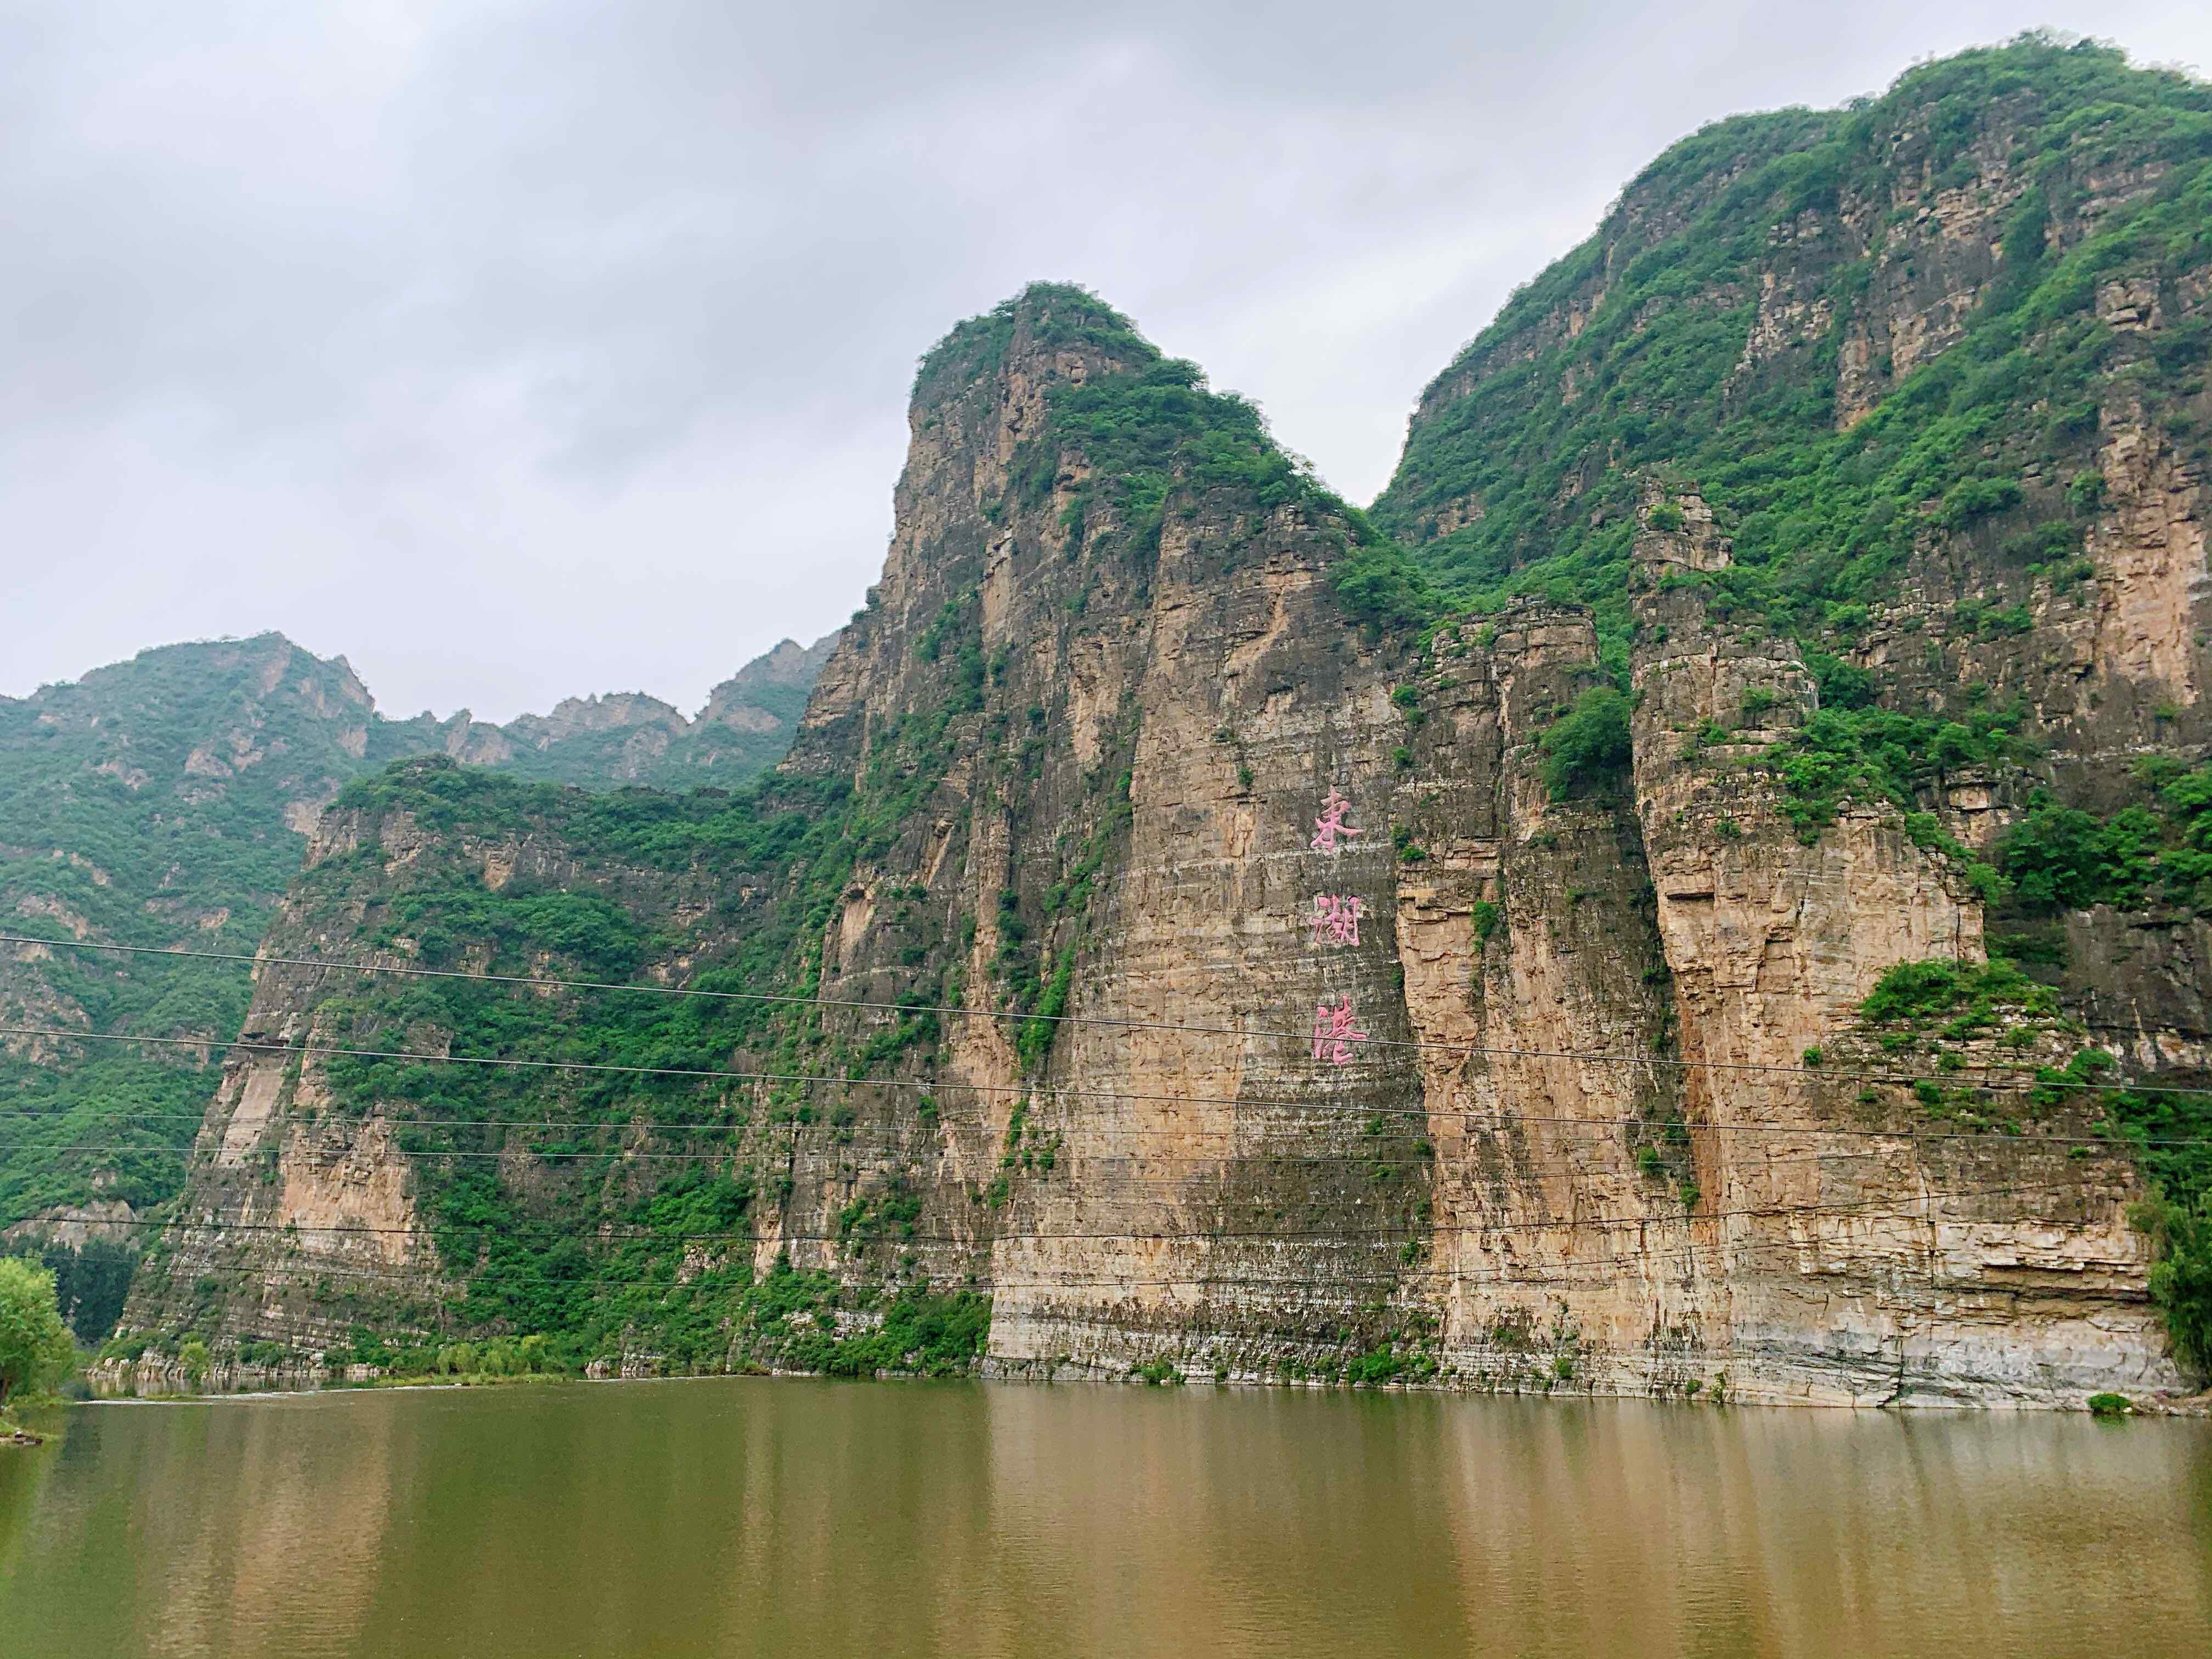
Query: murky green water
point(740, 1517)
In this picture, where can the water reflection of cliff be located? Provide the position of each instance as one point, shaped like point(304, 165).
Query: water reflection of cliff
point(23, 1473)
point(746, 1517)
point(215, 1528)
point(1618, 1530)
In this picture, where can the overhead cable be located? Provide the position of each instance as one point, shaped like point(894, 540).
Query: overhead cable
point(536, 982)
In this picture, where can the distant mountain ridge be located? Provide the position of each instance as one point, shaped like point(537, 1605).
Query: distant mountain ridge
point(631, 738)
point(166, 801)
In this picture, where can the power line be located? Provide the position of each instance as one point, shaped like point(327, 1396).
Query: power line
point(1099, 1119)
point(1478, 1118)
point(1229, 1163)
point(985, 1240)
point(705, 1074)
point(970, 1282)
point(1594, 1273)
point(1440, 1275)
point(1433, 1278)
point(1468, 1049)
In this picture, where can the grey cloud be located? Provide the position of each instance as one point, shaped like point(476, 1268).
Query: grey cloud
point(518, 350)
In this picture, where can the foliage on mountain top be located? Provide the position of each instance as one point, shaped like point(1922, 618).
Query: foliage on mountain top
point(1152, 426)
point(1629, 357)
point(1056, 316)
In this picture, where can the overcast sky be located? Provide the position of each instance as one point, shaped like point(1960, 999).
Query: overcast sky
point(539, 347)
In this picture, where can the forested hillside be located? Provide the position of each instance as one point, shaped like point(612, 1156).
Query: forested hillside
point(165, 802)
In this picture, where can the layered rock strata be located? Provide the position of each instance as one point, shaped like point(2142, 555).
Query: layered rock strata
point(1378, 1049)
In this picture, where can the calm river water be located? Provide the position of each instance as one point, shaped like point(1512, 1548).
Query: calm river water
point(744, 1516)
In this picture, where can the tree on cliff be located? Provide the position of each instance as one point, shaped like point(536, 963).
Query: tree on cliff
point(35, 1351)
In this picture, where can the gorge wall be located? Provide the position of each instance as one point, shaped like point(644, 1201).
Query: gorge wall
point(1190, 933)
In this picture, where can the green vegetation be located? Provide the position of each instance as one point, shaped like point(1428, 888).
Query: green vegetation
point(2181, 1277)
point(90, 1281)
point(145, 806)
point(1059, 316)
point(1551, 428)
point(1382, 589)
point(1874, 754)
point(1151, 428)
point(1586, 749)
point(1154, 428)
point(2173, 1136)
point(2170, 1130)
point(1036, 1033)
point(2110, 1405)
point(35, 1351)
point(1158, 428)
point(1408, 1356)
point(1971, 997)
point(2058, 858)
point(155, 804)
point(589, 1263)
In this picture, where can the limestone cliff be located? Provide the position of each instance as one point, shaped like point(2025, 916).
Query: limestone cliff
point(1204, 978)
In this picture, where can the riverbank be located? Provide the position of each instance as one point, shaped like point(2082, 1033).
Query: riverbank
point(243, 1383)
point(14, 1431)
point(170, 1387)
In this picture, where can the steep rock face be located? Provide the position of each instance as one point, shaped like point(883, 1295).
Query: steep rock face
point(1874, 439)
point(1857, 1267)
point(1533, 973)
point(1162, 725)
point(1390, 1055)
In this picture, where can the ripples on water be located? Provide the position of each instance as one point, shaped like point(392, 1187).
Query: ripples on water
point(742, 1517)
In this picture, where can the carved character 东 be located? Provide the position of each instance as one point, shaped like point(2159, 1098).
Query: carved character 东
point(1330, 825)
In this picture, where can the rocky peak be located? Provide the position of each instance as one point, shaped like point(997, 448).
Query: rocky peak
point(617, 711)
point(769, 693)
point(982, 401)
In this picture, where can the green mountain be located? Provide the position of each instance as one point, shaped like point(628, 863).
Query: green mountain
point(1647, 909)
point(166, 801)
point(1864, 335)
